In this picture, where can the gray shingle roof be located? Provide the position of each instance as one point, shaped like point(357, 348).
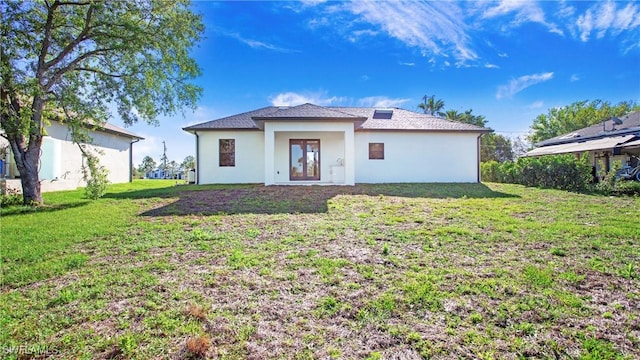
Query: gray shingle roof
point(306, 111)
point(408, 120)
point(400, 120)
point(630, 124)
point(120, 131)
point(234, 122)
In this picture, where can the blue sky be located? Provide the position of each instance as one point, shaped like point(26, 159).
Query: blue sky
point(507, 60)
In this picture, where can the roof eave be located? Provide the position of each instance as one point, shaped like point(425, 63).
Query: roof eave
point(315, 118)
point(192, 130)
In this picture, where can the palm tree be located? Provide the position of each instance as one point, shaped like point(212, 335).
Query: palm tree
point(453, 115)
point(430, 105)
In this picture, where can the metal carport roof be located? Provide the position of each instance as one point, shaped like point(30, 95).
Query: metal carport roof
point(599, 144)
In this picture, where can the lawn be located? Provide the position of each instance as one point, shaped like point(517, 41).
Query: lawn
point(477, 271)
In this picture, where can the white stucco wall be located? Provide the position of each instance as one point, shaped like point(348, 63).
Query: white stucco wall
point(249, 158)
point(417, 157)
point(114, 155)
point(61, 159)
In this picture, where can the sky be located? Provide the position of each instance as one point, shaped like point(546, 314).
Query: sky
point(507, 60)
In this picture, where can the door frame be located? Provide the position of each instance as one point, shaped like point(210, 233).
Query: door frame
point(303, 143)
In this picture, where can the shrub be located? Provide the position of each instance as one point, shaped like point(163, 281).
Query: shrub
point(12, 197)
point(626, 188)
point(564, 172)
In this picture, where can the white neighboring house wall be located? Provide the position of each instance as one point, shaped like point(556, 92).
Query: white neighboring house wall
point(418, 157)
point(249, 158)
point(61, 160)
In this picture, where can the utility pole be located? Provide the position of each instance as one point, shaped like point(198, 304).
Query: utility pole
point(164, 160)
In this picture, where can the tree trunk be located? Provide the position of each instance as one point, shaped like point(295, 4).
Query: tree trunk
point(27, 162)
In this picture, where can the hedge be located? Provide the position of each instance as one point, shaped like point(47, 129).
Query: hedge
point(564, 172)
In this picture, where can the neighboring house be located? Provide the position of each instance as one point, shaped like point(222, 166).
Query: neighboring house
point(61, 160)
point(310, 144)
point(165, 174)
point(612, 140)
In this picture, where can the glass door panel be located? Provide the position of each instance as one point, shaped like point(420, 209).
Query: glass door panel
point(304, 158)
point(297, 161)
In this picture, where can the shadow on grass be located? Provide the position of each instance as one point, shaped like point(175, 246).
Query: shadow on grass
point(259, 199)
point(21, 210)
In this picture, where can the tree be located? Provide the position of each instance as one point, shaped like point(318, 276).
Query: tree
point(69, 61)
point(496, 147)
point(453, 115)
point(188, 163)
point(469, 118)
point(147, 165)
point(580, 114)
point(430, 105)
point(172, 167)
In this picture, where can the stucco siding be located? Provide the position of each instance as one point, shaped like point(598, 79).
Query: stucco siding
point(249, 158)
point(61, 160)
point(417, 157)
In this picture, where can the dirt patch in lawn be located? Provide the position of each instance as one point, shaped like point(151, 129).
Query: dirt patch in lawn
point(258, 199)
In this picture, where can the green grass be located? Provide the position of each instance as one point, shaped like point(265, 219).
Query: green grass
point(372, 271)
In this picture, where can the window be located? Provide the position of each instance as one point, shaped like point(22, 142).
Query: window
point(227, 152)
point(376, 151)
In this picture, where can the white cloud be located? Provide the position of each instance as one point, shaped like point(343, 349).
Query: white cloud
point(522, 12)
point(256, 44)
point(491, 66)
point(407, 63)
point(150, 146)
point(435, 27)
point(356, 35)
point(606, 17)
point(536, 105)
point(516, 85)
point(381, 101)
point(293, 99)
point(574, 77)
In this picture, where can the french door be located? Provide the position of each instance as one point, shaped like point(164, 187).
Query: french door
point(304, 159)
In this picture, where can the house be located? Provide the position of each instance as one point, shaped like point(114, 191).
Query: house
point(615, 139)
point(310, 144)
point(159, 173)
point(61, 160)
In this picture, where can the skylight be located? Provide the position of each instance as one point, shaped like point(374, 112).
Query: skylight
point(382, 114)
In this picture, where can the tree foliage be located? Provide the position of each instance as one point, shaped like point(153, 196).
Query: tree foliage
point(465, 117)
point(188, 163)
point(496, 147)
point(71, 61)
point(578, 115)
point(147, 165)
point(430, 105)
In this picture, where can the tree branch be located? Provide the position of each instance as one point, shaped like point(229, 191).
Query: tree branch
point(98, 71)
point(77, 40)
point(46, 40)
point(55, 77)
